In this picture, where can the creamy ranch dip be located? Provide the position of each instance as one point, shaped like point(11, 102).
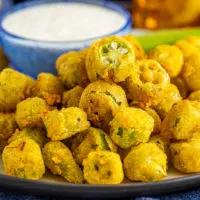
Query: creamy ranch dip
point(63, 22)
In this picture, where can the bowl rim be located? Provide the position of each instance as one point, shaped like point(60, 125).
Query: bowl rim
point(102, 3)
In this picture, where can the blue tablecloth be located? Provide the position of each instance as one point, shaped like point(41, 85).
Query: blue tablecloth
point(188, 195)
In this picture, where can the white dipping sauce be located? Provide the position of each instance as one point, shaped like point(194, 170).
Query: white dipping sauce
point(63, 22)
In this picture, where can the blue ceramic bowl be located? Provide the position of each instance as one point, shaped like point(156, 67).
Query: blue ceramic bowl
point(33, 56)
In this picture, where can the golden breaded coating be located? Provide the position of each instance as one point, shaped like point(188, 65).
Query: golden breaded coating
point(95, 140)
point(171, 96)
point(147, 83)
point(30, 111)
point(71, 98)
point(59, 160)
point(22, 158)
point(48, 87)
point(185, 156)
point(169, 56)
point(181, 85)
point(181, 120)
point(14, 87)
point(103, 167)
point(194, 96)
point(8, 125)
point(162, 143)
point(186, 48)
point(101, 100)
point(145, 162)
point(110, 58)
point(36, 134)
point(71, 69)
point(157, 120)
point(139, 51)
point(194, 40)
point(191, 72)
point(131, 126)
point(63, 124)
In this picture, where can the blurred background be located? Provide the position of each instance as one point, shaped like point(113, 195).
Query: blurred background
point(160, 14)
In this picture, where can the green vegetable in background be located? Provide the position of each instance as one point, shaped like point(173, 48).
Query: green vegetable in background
point(165, 37)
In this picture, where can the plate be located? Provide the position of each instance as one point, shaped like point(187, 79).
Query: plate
point(52, 185)
point(57, 186)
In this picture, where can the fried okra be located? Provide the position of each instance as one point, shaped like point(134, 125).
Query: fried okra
point(169, 56)
point(36, 134)
point(101, 100)
point(22, 158)
point(147, 83)
point(171, 96)
point(186, 48)
point(14, 87)
point(58, 158)
point(181, 120)
point(145, 162)
point(191, 72)
point(181, 85)
point(95, 139)
point(185, 156)
point(139, 51)
point(131, 126)
point(110, 58)
point(63, 124)
point(71, 69)
point(103, 167)
point(194, 40)
point(30, 111)
point(8, 125)
point(48, 87)
point(71, 98)
point(194, 96)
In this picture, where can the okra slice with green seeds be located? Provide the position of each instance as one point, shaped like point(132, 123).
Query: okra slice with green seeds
point(58, 158)
point(95, 140)
point(63, 124)
point(103, 167)
point(131, 126)
point(101, 100)
point(110, 58)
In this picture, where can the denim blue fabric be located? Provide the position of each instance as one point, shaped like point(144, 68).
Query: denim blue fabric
point(187, 195)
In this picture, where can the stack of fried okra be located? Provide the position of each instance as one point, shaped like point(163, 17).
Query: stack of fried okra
point(112, 112)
